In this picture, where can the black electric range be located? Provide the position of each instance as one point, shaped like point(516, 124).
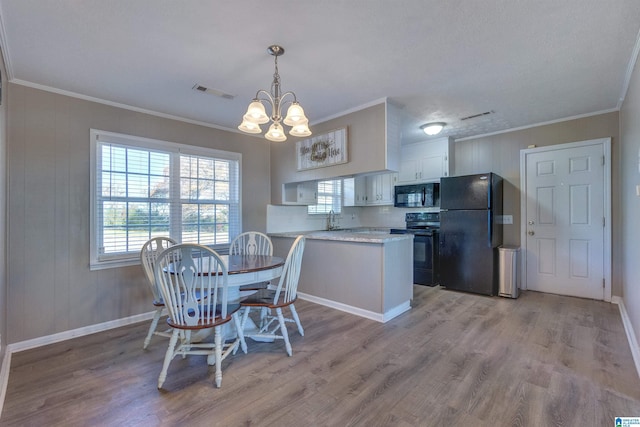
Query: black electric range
point(425, 227)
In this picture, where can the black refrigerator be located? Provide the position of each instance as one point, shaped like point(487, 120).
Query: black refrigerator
point(469, 234)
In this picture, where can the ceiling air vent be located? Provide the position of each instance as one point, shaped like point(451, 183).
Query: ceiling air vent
point(214, 92)
point(478, 115)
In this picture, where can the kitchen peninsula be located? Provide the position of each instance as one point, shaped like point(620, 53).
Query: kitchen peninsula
point(361, 271)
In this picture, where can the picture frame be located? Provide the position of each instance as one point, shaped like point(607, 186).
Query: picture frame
point(326, 149)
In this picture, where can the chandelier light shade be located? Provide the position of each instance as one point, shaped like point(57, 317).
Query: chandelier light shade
point(256, 114)
point(433, 128)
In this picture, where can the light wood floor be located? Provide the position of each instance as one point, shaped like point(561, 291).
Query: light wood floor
point(455, 359)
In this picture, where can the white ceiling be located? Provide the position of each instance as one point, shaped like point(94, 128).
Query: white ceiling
point(528, 61)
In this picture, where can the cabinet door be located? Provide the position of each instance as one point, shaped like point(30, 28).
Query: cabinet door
point(432, 167)
point(372, 189)
point(308, 193)
point(409, 167)
point(360, 191)
point(388, 186)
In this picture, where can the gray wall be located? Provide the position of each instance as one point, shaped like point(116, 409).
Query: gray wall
point(367, 150)
point(501, 154)
point(629, 202)
point(50, 286)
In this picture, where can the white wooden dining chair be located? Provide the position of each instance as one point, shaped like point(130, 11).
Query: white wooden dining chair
point(284, 295)
point(193, 282)
point(252, 243)
point(148, 255)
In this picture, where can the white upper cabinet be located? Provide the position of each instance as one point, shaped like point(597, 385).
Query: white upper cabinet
point(425, 161)
point(370, 190)
point(380, 188)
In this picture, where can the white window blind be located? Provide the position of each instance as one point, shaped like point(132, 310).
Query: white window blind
point(146, 188)
point(329, 197)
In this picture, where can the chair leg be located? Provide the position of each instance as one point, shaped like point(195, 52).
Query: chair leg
point(153, 326)
point(264, 312)
point(167, 357)
point(240, 332)
point(283, 330)
point(245, 316)
point(218, 351)
point(186, 341)
point(294, 313)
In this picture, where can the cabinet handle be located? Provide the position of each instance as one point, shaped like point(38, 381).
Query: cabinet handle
point(416, 175)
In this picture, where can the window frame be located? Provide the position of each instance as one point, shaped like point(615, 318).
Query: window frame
point(98, 261)
point(339, 198)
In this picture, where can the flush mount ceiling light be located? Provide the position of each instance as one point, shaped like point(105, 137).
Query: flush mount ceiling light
point(256, 114)
point(433, 128)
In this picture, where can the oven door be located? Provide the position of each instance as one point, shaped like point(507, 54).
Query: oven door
point(425, 258)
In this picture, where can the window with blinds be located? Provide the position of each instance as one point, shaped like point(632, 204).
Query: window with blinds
point(146, 188)
point(329, 197)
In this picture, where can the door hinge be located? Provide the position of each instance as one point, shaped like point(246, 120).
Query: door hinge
point(602, 160)
point(603, 282)
point(604, 222)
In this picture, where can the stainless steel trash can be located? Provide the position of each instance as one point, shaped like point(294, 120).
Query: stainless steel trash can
point(509, 274)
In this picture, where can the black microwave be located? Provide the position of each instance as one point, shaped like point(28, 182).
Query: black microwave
point(417, 195)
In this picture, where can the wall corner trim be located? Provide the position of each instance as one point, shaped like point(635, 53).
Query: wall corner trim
point(628, 328)
point(4, 377)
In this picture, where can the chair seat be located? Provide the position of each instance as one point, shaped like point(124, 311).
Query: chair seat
point(255, 286)
point(160, 302)
point(265, 298)
point(216, 321)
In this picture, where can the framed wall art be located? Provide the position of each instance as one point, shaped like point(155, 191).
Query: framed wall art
point(326, 149)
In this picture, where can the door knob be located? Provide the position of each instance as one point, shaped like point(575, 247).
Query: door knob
point(531, 233)
point(530, 222)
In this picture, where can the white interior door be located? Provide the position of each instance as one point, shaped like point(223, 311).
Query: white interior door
point(565, 212)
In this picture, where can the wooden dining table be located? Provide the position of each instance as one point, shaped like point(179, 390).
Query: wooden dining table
point(249, 269)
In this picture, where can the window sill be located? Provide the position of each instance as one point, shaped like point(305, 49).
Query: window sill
point(116, 263)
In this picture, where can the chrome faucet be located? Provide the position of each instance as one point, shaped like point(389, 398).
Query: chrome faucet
point(331, 220)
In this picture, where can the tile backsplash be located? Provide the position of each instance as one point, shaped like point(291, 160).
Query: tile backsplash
point(287, 218)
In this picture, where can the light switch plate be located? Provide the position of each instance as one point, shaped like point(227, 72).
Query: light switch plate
point(504, 219)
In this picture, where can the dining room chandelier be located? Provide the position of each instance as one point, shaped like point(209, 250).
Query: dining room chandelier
point(256, 114)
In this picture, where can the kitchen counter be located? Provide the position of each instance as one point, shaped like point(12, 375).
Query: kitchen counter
point(362, 235)
point(367, 272)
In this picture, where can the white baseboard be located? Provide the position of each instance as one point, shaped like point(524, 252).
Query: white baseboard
point(378, 317)
point(628, 329)
point(86, 330)
point(62, 336)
